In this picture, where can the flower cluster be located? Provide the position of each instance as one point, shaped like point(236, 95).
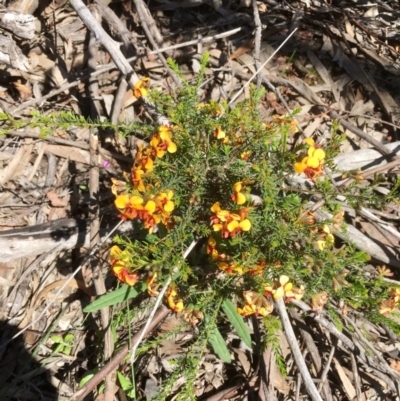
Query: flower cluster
point(389, 304)
point(141, 202)
point(227, 223)
point(312, 164)
point(120, 261)
point(285, 288)
point(150, 210)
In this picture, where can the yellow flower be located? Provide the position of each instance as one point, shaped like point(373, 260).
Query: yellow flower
point(245, 155)
point(230, 268)
point(141, 87)
point(121, 271)
point(284, 288)
point(235, 225)
point(395, 294)
point(255, 304)
point(150, 206)
point(143, 159)
point(162, 142)
point(175, 304)
point(311, 165)
point(238, 197)
point(166, 204)
point(129, 205)
point(383, 271)
point(117, 254)
point(136, 178)
point(219, 133)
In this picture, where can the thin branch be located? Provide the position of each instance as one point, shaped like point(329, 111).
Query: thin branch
point(294, 346)
point(262, 66)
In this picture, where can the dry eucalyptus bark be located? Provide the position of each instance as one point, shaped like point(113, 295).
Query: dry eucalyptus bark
point(23, 27)
point(12, 55)
point(20, 25)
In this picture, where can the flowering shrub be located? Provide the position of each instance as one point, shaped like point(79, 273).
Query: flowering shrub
point(217, 176)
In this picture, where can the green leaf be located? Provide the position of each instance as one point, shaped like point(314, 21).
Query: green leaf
point(219, 345)
point(237, 321)
point(56, 339)
point(123, 293)
point(86, 377)
point(125, 383)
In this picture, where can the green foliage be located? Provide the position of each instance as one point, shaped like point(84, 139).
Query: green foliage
point(123, 293)
point(237, 321)
point(225, 186)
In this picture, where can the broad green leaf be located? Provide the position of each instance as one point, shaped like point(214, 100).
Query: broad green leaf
point(122, 294)
point(237, 321)
point(125, 383)
point(219, 345)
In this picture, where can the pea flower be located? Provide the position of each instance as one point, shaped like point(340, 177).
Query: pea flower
point(162, 142)
point(312, 164)
point(123, 274)
point(238, 196)
point(129, 206)
point(176, 304)
point(229, 224)
point(256, 304)
point(231, 268)
point(141, 87)
point(120, 266)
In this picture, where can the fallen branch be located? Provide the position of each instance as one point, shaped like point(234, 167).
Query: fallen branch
point(294, 346)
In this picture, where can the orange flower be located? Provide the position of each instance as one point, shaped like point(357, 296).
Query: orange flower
point(231, 268)
point(162, 142)
point(124, 275)
point(129, 205)
point(141, 87)
point(255, 304)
